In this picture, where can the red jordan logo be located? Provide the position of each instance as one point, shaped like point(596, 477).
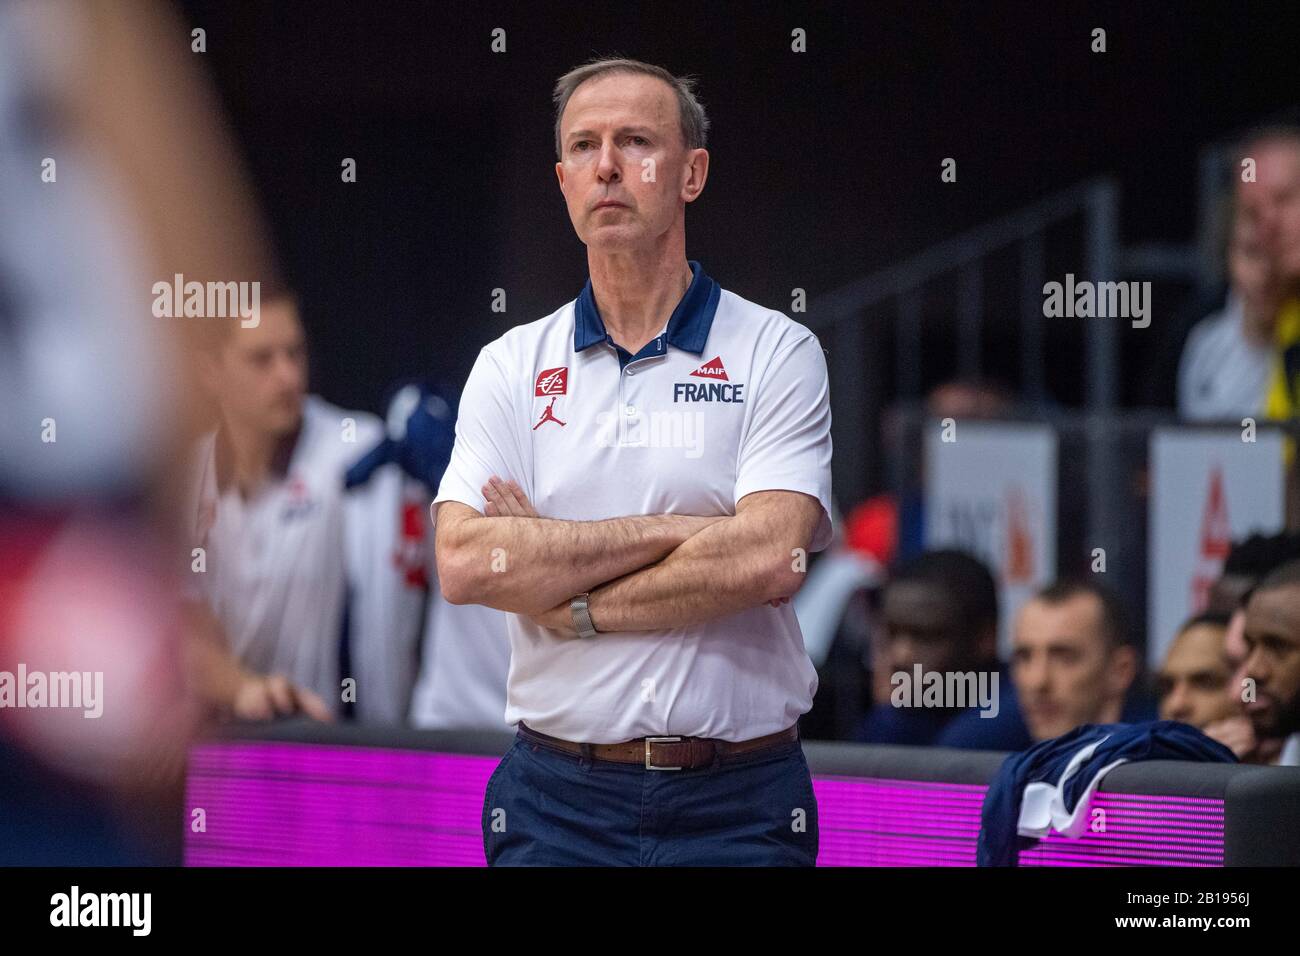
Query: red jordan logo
point(712, 369)
point(548, 416)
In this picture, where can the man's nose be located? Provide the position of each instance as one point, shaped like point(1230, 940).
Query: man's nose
point(607, 170)
point(1256, 668)
point(1176, 704)
point(1032, 674)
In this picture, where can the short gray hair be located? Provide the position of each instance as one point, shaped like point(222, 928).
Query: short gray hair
point(694, 124)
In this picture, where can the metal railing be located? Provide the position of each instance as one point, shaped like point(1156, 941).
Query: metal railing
point(842, 320)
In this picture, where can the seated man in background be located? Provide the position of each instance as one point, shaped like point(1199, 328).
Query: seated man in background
point(1073, 662)
point(269, 511)
point(940, 611)
point(1194, 684)
point(1272, 665)
point(1248, 563)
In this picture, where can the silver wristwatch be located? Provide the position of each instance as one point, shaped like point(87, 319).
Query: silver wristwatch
point(582, 616)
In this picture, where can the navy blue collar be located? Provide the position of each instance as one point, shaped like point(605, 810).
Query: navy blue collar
point(688, 327)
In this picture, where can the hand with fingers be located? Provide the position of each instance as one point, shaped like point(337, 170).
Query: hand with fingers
point(505, 499)
point(267, 696)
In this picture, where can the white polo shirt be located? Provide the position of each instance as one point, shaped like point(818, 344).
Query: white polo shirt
point(731, 398)
point(275, 564)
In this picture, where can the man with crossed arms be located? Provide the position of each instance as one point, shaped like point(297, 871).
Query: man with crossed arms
point(638, 478)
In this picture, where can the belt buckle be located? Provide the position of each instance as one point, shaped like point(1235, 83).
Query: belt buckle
point(658, 740)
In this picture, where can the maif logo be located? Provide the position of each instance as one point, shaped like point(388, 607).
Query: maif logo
point(712, 369)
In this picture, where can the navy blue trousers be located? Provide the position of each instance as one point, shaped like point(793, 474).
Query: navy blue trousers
point(546, 807)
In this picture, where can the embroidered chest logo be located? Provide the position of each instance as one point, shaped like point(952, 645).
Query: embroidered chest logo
point(552, 383)
point(718, 388)
point(548, 415)
point(712, 369)
point(298, 501)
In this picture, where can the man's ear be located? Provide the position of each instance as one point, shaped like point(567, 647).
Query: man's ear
point(1122, 669)
point(986, 643)
point(559, 174)
point(695, 175)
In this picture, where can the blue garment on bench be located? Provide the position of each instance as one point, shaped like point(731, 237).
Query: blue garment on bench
point(1047, 761)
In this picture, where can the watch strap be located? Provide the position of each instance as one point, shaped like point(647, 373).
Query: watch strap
point(582, 616)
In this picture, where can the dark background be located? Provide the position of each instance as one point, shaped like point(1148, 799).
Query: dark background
point(825, 165)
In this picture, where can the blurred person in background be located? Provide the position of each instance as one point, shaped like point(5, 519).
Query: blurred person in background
point(463, 650)
point(1194, 681)
point(1272, 666)
point(1224, 370)
point(1269, 202)
point(940, 611)
point(1073, 661)
point(1248, 562)
point(964, 399)
point(94, 416)
point(270, 510)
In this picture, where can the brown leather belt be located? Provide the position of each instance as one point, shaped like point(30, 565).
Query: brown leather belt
point(665, 753)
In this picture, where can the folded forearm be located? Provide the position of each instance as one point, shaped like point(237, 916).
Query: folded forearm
point(724, 569)
point(527, 565)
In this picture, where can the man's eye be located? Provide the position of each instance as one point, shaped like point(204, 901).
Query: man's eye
point(580, 143)
point(640, 140)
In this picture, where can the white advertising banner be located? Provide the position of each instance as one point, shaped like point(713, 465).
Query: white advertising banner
point(1208, 489)
point(990, 490)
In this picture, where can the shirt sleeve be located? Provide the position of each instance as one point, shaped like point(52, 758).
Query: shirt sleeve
point(788, 444)
point(487, 440)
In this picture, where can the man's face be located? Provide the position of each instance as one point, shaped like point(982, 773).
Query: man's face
point(922, 625)
point(1273, 660)
point(1194, 679)
point(621, 142)
point(1251, 271)
point(260, 373)
point(1270, 206)
point(1065, 673)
